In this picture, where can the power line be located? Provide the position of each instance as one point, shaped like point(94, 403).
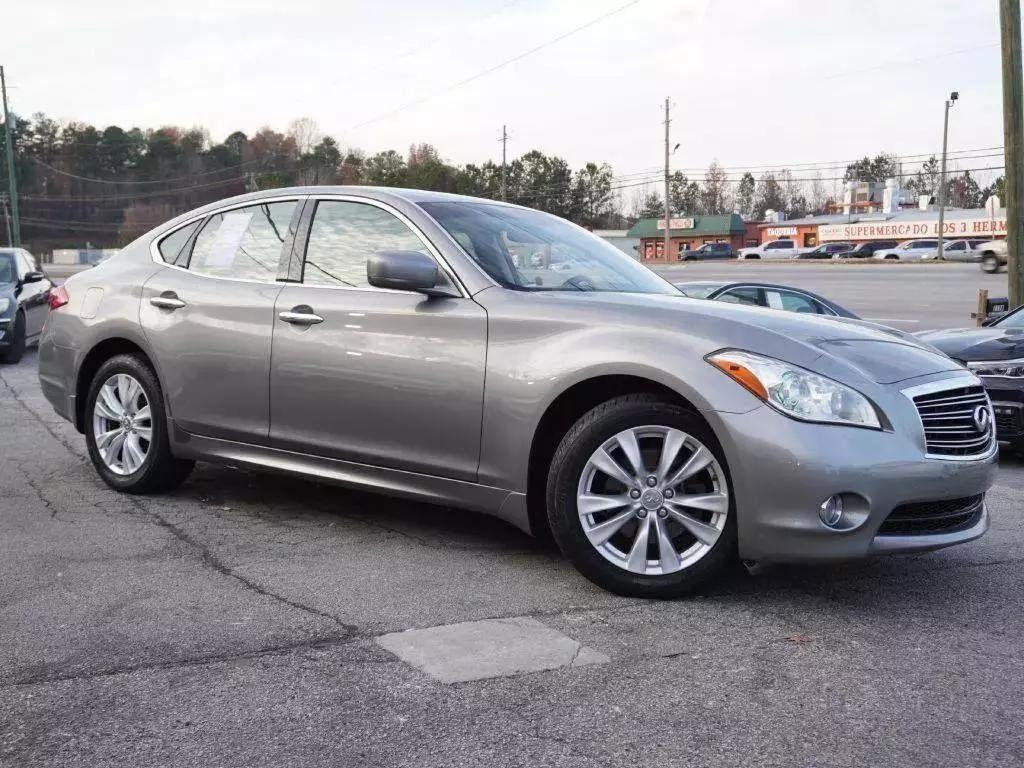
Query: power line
point(890, 64)
point(148, 181)
point(494, 68)
point(138, 195)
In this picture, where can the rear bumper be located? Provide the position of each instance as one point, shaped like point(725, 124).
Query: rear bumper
point(56, 377)
point(783, 470)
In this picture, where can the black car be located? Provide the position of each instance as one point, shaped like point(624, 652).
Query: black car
point(827, 250)
point(765, 295)
point(709, 251)
point(866, 250)
point(996, 354)
point(24, 302)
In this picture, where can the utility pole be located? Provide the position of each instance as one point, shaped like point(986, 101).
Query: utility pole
point(12, 183)
point(668, 205)
point(7, 218)
point(1013, 114)
point(504, 173)
point(942, 173)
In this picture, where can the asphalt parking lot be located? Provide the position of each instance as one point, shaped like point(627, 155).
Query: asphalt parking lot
point(249, 619)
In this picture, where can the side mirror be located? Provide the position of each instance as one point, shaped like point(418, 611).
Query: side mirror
point(33, 277)
point(408, 271)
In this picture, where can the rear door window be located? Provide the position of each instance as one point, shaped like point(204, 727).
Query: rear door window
point(243, 243)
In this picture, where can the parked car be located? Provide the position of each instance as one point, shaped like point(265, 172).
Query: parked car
point(866, 250)
point(957, 250)
point(655, 436)
point(764, 295)
point(909, 250)
point(996, 354)
point(993, 255)
point(709, 251)
point(776, 249)
point(826, 250)
point(24, 292)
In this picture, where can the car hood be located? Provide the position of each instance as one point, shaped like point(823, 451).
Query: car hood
point(880, 354)
point(972, 344)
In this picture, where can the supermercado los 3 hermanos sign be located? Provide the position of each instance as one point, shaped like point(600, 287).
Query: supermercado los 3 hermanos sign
point(904, 230)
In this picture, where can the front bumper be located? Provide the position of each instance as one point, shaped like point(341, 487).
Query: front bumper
point(782, 470)
point(1007, 396)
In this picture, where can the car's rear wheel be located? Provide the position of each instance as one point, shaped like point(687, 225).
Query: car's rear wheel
point(989, 263)
point(638, 498)
point(16, 350)
point(126, 429)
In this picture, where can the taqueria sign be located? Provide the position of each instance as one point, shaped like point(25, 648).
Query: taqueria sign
point(905, 230)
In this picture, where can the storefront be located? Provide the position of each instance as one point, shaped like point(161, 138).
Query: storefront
point(687, 233)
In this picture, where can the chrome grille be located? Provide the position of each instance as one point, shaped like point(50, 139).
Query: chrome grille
point(951, 421)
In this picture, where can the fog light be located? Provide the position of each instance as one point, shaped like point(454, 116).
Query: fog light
point(831, 511)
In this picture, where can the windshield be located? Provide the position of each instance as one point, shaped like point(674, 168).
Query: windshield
point(529, 250)
point(1013, 321)
point(7, 272)
point(698, 291)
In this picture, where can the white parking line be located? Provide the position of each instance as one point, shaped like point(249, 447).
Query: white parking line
point(890, 320)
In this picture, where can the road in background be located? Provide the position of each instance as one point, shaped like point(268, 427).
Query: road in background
point(911, 297)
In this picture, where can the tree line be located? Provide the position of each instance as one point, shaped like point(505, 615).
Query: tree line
point(81, 184)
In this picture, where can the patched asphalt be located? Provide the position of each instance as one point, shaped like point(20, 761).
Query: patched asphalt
point(237, 620)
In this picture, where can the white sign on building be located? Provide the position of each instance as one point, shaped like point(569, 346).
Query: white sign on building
point(677, 223)
point(780, 231)
point(905, 230)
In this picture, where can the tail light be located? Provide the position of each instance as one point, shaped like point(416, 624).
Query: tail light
point(58, 297)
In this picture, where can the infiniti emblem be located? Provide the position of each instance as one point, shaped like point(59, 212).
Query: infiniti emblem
point(981, 418)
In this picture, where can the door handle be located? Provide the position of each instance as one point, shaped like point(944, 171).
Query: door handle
point(300, 316)
point(167, 302)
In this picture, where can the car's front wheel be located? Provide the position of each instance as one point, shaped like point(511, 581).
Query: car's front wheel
point(638, 498)
point(126, 429)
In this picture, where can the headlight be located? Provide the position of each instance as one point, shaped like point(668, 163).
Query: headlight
point(5, 304)
point(797, 392)
point(1012, 368)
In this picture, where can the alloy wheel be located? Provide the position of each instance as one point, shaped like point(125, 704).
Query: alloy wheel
point(122, 424)
point(653, 500)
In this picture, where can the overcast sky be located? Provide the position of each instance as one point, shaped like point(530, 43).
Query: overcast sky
point(753, 82)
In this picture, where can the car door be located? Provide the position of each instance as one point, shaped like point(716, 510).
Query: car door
point(32, 297)
point(209, 316)
point(382, 377)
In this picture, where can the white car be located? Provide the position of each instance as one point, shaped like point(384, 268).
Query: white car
point(959, 250)
point(909, 250)
point(776, 249)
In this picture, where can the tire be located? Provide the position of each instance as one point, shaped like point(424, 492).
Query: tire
point(14, 353)
point(572, 473)
point(159, 470)
point(989, 264)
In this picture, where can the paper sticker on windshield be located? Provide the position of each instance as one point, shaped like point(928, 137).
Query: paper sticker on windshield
point(229, 237)
point(774, 300)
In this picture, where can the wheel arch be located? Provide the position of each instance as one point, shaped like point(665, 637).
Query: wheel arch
point(559, 416)
point(91, 362)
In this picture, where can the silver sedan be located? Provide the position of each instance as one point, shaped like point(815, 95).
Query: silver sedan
point(483, 355)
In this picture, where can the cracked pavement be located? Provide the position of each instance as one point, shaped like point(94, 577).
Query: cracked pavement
point(233, 622)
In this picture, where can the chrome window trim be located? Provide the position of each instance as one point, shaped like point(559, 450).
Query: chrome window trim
point(388, 208)
point(955, 383)
point(154, 251)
